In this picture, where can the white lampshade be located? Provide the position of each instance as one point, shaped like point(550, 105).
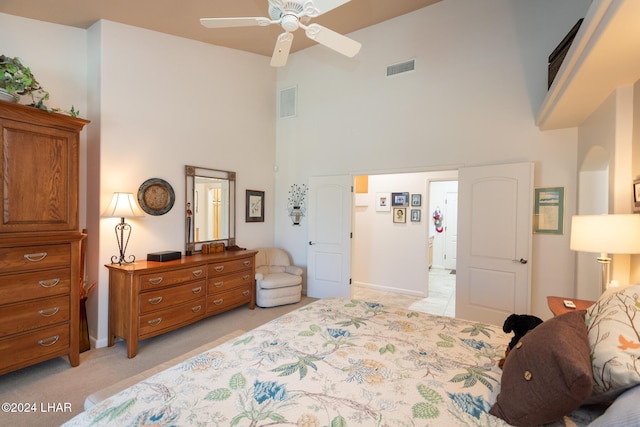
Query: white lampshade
point(612, 234)
point(123, 205)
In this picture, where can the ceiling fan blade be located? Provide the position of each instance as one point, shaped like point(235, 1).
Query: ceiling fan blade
point(235, 22)
point(324, 6)
point(281, 51)
point(332, 40)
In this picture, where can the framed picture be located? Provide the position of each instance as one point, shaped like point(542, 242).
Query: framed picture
point(399, 199)
point(415, 215)
point(400, 215)
point(383, 202)
point(416, 200)
point(548, 216)
point(254, 206)
point(636, 195)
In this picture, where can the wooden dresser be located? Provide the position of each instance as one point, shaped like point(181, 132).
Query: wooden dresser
point(39, 237)
point(149, 298)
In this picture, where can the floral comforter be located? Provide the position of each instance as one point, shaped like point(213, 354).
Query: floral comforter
point(335, 362)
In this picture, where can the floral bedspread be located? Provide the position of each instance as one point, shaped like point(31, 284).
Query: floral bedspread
point(335, 362)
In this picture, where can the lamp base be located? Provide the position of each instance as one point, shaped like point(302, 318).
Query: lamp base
point(122, 244)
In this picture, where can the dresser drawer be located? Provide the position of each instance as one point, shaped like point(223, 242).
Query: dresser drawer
point(32, 315)
point(167, 278)
point(229, 266)
point(230, 281)
point(163, 298)
point(225, 300)
point(33, 345)
point(154, 323)
point(39, 284)
point(25, 258)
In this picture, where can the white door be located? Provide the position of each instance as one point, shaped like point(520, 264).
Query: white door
point(494, 242)
point(450, 230)
point(328, 256)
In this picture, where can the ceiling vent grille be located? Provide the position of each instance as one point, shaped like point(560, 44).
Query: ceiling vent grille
point(402, 67)
point(288, 102)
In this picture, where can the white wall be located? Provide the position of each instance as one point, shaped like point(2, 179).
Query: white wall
point(380, 259)
point(480, 78)
point(606, 135)
point(157, 103)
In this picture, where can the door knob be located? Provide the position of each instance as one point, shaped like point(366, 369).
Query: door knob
point(521, 261)
point(311, 243)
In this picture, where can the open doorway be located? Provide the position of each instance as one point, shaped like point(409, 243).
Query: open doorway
point(443, 238)
point(394, 259)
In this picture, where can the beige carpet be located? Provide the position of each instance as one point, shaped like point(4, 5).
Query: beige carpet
point(54, 384)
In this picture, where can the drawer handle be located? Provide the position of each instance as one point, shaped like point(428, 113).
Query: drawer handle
point(154, 301)
point(49, 283)
point(246, 293)
point(155, 280)
point(246, 277)
point(196, 290)
point(36, 257)
point(219, 301)
point(219, 268)
point(196, 309)
point(48, 342)
point(218, 284)
point(247, 262)
point(49, 312)
point(197, 272)
point(155, 322)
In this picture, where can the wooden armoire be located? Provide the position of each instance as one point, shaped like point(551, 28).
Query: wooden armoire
point(39, 236)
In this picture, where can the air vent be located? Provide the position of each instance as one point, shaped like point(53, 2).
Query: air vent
point(288, 102)
point(402, 67)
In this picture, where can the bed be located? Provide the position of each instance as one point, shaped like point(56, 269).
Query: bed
point(334, 362)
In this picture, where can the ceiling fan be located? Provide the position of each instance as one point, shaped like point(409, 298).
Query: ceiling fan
point(291, 15)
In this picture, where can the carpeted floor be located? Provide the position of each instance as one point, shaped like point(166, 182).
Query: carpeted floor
point(54, 392)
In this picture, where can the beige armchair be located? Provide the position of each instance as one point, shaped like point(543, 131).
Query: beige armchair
point(277, 281)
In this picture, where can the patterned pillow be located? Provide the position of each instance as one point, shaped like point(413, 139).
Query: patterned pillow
point(613, 325)
point(547, 374)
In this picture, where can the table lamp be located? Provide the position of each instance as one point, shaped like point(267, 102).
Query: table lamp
point(123, 205)
point(606, 234)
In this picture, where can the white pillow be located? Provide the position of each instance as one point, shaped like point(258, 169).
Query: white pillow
point(613, 326)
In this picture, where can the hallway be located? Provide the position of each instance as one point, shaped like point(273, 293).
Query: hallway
point(441, 300)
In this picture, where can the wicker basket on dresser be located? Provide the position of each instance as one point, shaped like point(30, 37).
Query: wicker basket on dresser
point(39, 237)
point(149, 298)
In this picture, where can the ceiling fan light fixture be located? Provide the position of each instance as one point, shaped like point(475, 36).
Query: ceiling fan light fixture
point(290, 23)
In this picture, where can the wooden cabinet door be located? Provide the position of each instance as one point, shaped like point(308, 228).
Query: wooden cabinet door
point(39, 176)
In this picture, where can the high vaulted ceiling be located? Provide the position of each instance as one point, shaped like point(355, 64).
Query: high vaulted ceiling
point(181, 17)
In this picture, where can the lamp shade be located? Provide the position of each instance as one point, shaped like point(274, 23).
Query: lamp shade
point(612, 234)
point(123, 205)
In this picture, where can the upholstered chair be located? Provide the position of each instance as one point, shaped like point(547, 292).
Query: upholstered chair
point(277, 281)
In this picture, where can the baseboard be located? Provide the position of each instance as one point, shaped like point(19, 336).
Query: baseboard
point(383, 288)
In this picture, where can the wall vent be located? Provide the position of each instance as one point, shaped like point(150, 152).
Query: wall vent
point(288, 102)
point(401, 67)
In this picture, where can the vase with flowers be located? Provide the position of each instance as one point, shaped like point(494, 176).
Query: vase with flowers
point(296, 203)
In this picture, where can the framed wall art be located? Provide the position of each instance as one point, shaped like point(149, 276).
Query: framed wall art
point(548, 216)
point(416, 200)
point(415, 215)
point(254, 206)
point(400, 215)
point(636, 195)
point(383, 202)
point(399, 199)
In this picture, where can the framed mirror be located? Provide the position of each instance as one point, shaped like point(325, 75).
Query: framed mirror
point(210, 207)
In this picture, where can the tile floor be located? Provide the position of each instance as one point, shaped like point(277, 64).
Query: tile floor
point(441, 300)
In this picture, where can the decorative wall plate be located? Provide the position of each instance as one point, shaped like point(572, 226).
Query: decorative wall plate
point(156, 196)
